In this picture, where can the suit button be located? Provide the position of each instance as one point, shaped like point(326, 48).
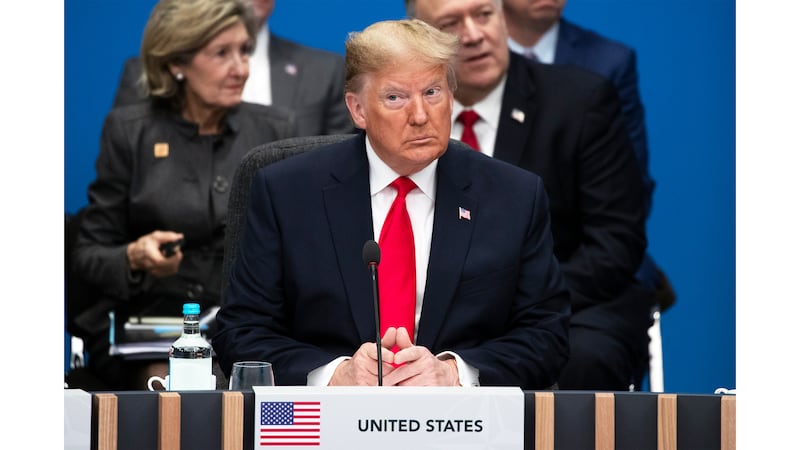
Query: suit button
point(221, 184)
point(195, 291)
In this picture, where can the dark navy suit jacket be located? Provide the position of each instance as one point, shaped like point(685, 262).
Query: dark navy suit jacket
point(300, 294)
point(572, 135)
point(615, 62)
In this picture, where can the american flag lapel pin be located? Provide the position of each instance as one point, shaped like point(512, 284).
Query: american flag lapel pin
point(463, 214)
point(518, 115)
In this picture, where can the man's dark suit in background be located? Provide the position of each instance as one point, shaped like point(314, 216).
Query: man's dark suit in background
point(538, 27)
point(573, 137)
point(617, 63)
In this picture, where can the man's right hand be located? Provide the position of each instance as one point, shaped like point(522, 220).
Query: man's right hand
point(362, 368)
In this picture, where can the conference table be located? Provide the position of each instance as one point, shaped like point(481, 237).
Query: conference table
point(222, 419)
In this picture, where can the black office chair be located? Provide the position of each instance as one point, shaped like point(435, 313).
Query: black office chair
point(255, 159)
point(84, 312)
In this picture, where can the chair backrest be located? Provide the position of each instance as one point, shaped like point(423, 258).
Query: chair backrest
point(80, 298)
point(255, 159)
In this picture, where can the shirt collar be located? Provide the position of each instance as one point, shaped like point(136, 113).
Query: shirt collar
point(381, 175)
point(488, 108)
point(544, 49)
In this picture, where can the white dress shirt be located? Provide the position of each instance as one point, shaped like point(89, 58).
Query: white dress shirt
point(258, 87)
point(544, 49)
point(420, 205)
point(486, 127)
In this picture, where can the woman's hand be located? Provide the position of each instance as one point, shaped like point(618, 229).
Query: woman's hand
point(144, 254)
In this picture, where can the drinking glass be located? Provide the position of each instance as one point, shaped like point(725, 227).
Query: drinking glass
point(246, 374)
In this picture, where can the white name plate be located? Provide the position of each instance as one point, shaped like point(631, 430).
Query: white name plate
point(292, 417)
point(77, 419)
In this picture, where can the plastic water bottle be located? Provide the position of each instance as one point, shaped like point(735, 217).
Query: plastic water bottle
point(190, 355)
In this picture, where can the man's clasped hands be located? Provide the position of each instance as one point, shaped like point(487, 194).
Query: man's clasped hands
point(408, 365)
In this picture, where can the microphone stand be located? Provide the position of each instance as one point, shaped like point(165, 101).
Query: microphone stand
point(373, 269)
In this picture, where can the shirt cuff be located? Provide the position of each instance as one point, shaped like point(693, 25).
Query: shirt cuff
point(321, 376)
point(467, 375)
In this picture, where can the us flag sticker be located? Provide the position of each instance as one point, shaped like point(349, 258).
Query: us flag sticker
point(295, 424)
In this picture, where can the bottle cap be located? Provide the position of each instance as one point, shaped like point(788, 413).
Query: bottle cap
point(191, 308)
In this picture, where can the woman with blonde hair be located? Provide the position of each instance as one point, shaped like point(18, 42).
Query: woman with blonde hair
point(163, 175)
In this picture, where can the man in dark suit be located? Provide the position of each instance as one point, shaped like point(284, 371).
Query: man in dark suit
point(305, 80)
point(537, 29)
point(489, 305)
point(563, 124)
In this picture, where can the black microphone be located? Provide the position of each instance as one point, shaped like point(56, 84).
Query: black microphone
point(371, 254)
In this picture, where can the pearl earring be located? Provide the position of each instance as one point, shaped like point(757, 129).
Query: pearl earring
point(179, 76)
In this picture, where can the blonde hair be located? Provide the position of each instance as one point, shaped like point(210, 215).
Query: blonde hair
point(177, 29)
point(384, 43)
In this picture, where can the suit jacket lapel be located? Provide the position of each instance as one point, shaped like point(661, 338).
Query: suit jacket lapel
point(283, 72)
point(449, 243)
point(566, 43)
point(516, 113)
point(349, 213)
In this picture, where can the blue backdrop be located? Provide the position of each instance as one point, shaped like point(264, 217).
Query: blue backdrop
point(686, 53)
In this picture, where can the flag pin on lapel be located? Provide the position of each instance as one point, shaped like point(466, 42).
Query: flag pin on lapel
point(161, 150)
point(518, 115)
point(291, 69)
point(463, 214)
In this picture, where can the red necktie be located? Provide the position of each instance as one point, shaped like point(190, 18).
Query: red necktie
point(468, 118)
point(397, 282)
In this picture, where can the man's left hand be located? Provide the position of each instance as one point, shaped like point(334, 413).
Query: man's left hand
point(421, 367)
